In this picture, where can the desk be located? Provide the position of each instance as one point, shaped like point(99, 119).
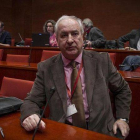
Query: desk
point(54, 131)
point(130, 76)
point(134, 84)
point(26, 72)
point(23, 71)
point(18, 70)
point(120, 54)
point(36, 53)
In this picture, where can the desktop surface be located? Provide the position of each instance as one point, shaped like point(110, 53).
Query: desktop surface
point(12, 130)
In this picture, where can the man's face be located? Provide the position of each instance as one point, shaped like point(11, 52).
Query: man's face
point(69, 38)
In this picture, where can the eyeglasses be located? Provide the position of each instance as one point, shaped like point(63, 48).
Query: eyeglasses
point(49, 26)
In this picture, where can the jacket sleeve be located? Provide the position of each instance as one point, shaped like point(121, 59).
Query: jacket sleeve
point(125, 38)
point(36, 98)
point(97, 38)
point(121, 91)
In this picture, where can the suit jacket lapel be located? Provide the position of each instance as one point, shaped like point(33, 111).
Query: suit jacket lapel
point(90, 72)
point(59, 77)
point(59, 80)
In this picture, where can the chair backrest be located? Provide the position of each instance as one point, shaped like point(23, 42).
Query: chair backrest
point(1, 54)
point(47, 54)
point(15, 87)
point(28, 41)
point(12, 42)
point(17, 58)
point(137, 69)
point(113, 57)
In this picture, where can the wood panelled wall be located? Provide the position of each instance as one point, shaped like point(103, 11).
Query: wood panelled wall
point(114, 17)
point(6, 14)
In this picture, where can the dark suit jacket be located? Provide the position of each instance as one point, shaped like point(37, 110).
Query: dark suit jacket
point(132, 37)
point(5, 38)
point(100, 75)
point(96, 37)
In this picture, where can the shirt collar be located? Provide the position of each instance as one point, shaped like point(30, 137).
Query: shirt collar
point(67, 61)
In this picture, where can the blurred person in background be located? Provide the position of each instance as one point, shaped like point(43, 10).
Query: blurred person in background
point(93, 36)
point(49, 28)
point(5, 37)
point(134, 40)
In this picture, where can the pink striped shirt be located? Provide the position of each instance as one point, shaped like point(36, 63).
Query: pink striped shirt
point(68, 70)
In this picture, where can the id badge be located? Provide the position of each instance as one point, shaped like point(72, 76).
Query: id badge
point(71, 110)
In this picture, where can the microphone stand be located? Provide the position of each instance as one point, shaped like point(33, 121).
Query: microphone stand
point(29, 61)
point(52, 90)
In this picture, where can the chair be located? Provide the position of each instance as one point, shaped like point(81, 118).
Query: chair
point(137, 70)
point(1, 54)
point(28, 42)
point(48, 54)
point(12, 42)
point(113, 57)
point(15, 87)
point(17, 58)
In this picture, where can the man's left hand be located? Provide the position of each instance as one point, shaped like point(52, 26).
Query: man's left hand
point(123, 126)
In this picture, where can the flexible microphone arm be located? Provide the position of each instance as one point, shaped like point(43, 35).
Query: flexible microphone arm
point(20, 37)
point(52, 90)
point(29, 60)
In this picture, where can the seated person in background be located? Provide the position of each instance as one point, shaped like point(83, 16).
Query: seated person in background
point(94, 37)
point(89, 95)
point(134, 40)
point(5, 37)
point(49, 28)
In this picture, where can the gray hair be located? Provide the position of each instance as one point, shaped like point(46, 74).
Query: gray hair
point(69, 17)
point(87, 22)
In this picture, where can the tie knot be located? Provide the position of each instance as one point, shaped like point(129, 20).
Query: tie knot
point(73, 63)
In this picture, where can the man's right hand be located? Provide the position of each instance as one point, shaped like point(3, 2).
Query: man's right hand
point(30, 123)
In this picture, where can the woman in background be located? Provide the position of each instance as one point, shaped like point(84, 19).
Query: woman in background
point(49, 28)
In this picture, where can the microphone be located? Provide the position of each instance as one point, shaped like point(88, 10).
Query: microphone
point(29, 60)
point(52, 90)
point(20, 37)
point(21, 43)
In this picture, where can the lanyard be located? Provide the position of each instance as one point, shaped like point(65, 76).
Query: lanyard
point(75, 83)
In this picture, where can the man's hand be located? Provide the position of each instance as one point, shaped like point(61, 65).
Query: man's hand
point(129, 48)
point(88, 43)
point(123, 126)
point(30, 123)
point(4, 45)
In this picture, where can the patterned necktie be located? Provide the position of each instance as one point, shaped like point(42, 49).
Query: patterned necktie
point(78, 119)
